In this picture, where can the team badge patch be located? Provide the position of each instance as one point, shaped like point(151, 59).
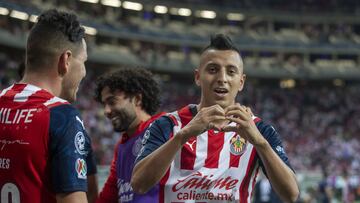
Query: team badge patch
point(81, 169)
point(237, 145)
point(137, 147)
point(80, 143)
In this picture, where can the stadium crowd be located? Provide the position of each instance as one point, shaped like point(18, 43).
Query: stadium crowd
point(319, 124)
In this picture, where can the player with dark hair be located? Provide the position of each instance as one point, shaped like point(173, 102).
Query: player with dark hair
point(45, 152)
point(21, 70)
point(212, 151)
point(131, 98)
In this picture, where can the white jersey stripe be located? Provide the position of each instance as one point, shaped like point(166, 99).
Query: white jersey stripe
point(201, 150)
point(177, 128)
point(5, 90)
point(252, 180)
point(224, 158)
point(244, 161)
point(54, 100)
point(25, 93)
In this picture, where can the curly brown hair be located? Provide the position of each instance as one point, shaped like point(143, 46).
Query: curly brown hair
point(132, 81)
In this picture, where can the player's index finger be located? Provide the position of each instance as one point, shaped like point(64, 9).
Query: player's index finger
point(217, 109)
point(231, 107)
point(237, 113)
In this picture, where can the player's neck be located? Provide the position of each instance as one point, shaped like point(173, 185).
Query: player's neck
point(43, 81)
point(141, 117)
point(203, 104)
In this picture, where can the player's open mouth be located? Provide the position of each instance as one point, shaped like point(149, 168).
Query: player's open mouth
point(221, 92)
point(113, 119)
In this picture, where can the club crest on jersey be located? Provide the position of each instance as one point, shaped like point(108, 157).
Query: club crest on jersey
point(237, 145)
point(137, 147)
point(81, 169)
point(80, 143)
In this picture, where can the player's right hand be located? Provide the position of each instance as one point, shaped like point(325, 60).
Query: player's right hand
point(212, 117)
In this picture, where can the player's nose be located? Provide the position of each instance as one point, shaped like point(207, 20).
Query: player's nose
point(107, 111)
point(222, 76)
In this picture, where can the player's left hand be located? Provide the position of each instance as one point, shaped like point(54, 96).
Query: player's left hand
point(245, 125)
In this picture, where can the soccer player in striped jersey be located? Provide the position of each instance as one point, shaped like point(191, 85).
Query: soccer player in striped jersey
point(131, 98)
point(45, 152)
point(213, 151)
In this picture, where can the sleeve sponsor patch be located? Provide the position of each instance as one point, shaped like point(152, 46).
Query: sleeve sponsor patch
point(81, 169)
point(79, 142)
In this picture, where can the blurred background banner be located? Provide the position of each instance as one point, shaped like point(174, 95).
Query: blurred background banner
point(301, 57)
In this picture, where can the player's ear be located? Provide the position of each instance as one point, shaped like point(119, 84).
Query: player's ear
point(242, 81)
point(64, 62)
point(138, 99)
point(197, 77)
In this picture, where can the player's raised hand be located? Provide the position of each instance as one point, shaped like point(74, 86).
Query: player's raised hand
point(245, 126)
point(212, 117)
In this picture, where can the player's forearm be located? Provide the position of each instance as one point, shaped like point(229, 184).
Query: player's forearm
point(152, 168)
point(281, 177)
point(92, 193)
point(74, 197)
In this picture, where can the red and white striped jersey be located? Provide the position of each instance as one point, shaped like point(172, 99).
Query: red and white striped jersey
point(44, 148)
point(211, 167)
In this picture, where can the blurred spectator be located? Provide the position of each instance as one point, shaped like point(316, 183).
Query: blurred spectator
point(264, 192)
point(325, 193)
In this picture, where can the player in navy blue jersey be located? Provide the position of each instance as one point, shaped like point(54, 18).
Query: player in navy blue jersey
point(44, 145)
point(131, 98)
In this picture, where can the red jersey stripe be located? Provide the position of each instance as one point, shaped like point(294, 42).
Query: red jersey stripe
point(13, 91)
point(244, 193)
point(173, 119)
point(254, 181)
point(215, 145)
point(188, 154)
point(188, 151)
point(2, 92)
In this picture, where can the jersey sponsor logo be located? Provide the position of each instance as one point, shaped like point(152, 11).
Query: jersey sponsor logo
point(199, 186)
point(237, 145)
point(4, 143)
point(212, 196)
point(280, 149)
point(137, 147)
point(125, 191)
point(11, 116)
point(80, 143)
point(204, 182)
point(191, 144)
point(146, 137)
point(80, 121)
point(81, 169)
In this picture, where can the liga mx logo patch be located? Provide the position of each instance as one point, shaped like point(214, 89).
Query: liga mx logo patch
point(79, 142)
point(237, 145)
point(81, 169)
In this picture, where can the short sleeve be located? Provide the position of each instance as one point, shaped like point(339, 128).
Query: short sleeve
point(90, 162)
point(274, 140)
point(156, 135)
point(71, 158)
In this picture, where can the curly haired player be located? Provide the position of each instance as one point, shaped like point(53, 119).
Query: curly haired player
point(131, 98)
